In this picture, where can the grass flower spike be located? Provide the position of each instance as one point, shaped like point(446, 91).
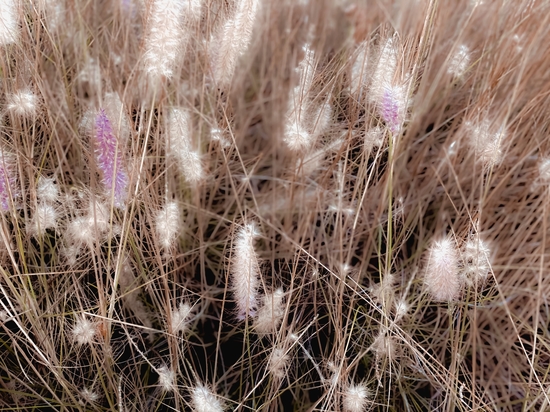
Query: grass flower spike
point(203, 400)
point(22, 103)
point(442, 277)
point(84, 331)
point(167, 378)
point(180, 147)
point(460, 61)
point(485, 142)
point(356, 398)
point(233, 41)
point(245, 271)
point(388, 91)
point(8, 22)
point(165, 39)
point(270, 314)
point(278, 363)
point(179, 317)
point(109, 160)
point(297, 136)
point(476, 259)
point(359, 73)
point(167, 224)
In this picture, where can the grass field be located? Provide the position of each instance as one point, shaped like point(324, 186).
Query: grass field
point(274, 205)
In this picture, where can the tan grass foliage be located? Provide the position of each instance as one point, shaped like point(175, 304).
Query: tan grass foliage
point(328, 205)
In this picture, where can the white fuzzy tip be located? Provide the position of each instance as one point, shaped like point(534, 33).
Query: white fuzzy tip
point(401, 309)
point(90, 77)
point(476, 259)
point(86, 230)
point(383, 76)
point(216, 135)
point(204, 400)
point(356, 397)
point(388, 92)
point(297, 135)
point(233, 41)
point(4, 316)
point(442, 277)
point(8, 22)
point(23, 103)
point(180, 145)
point(271, 313)
point(89, 396)
point(116, 113)
point(54, 11)
point(45, 217)
point(384, 345)
point(164, 40)
point(179, 317)
point(277, 363)
point(459, 62)
point(84, 331)
point(167, 223)
point(245, 271)
point(47, 191)
point(297, 138)
point(486, 143)
point(167, 378)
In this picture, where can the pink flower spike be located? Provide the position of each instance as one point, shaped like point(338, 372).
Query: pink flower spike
point(390, 109)
point(109, 160)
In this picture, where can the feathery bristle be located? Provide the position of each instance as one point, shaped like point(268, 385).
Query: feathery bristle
point(245, 271)
point(441, 276)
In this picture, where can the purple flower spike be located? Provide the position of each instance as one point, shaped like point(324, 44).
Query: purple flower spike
point(109, 160)
point(8, 181)
point(389, 110)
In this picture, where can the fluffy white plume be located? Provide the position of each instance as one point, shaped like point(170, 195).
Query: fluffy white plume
point(8, 22)
point(485, 142)
point(180, 147)
point(86, 230)
point(271, 313)
point(245, 271)
point(165, 39)
point(460, 61)
point(476, 259)
point(22, 103)
point(167, 378)
point(356, 397)
point(84, 331)
point(47, 191)
point(167, 224)
point(442, 277)
point(297, 136)
point(117, 115)
point(278, 362)
point(233, 41)
point(179, 317)
point(388, 91)
point(204, 400)
point(45, 217)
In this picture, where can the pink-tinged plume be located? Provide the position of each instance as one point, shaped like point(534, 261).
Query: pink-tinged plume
point(109, 160)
